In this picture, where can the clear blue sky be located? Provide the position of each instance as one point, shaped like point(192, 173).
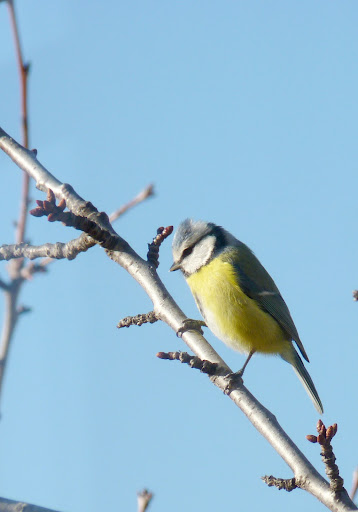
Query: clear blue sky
point(241, 113)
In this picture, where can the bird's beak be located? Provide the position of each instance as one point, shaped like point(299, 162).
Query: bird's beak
point(175, 266)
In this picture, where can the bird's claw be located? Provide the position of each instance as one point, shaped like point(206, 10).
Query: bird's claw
point(232, 379)
point(191, 325)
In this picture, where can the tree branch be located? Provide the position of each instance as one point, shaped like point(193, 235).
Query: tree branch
point(19, 506)
point(306, 476)
point(57, 251)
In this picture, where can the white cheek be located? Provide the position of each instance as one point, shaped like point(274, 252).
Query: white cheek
point(201, 254)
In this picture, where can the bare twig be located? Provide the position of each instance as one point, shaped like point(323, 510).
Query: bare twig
point(57, 251)
point(142, 196)
point(288, 484)
point(143, 499)
point(84, 241)
point(82, 216)
point(354, 484)
point(193, 361)
point(138, 320)
point(24, 69)
point(153, 248)
point(21, 310)
point(324, 439)
point(13, 289)
point(28, 271)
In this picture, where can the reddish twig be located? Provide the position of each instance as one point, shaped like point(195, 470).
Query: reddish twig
point(324, 438)
point(85, 217)
point(153, 248)
point(12, 291)
point(74, 247)
point(193, 361)
point(24, 69)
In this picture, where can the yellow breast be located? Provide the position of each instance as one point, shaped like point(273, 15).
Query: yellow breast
point(230, 314)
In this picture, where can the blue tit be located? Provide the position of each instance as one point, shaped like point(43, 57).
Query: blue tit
point(237, 297)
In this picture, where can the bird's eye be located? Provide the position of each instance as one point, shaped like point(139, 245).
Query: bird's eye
point(187, 251)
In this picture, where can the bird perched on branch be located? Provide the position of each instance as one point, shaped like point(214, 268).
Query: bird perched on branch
point(237, 297)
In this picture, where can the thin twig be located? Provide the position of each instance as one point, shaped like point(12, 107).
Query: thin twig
point(288, 484)
point(23, 76)
point(139, 320)
point(354, 484)
point(29, 270)
point(142, 196)
point(153, 248)
point(193, 361)
point(143, 499)
point(12, 292)
point(324, 438)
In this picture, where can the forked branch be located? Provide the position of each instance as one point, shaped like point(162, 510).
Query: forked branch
point(144, 272)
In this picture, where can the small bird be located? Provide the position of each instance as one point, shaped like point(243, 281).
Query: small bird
point(237, 297)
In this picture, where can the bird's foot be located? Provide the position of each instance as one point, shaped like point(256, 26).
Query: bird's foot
point(191, 325)
point(232, 379)
point(236, 377)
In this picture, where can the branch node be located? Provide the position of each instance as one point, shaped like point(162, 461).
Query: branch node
point(23, 309)
point(31, 269)
point(141, 319)
point(26, 67)
point(288, 484)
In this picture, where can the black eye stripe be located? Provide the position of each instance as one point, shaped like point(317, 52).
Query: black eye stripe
point(215, 231)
